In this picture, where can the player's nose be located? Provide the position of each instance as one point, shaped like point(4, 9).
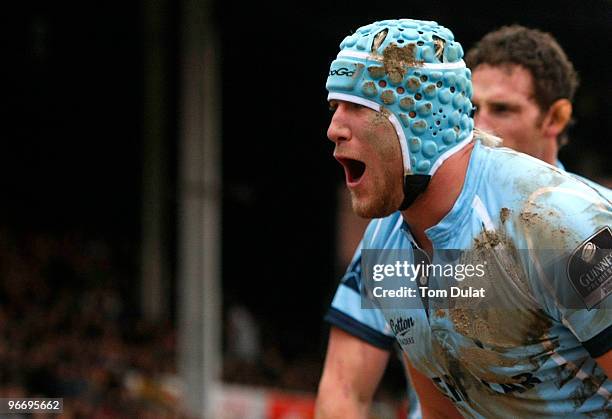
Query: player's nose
point(339, 129)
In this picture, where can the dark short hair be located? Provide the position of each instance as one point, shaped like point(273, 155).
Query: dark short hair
point(553, 73)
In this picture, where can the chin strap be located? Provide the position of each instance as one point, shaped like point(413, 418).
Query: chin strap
point(414, 185)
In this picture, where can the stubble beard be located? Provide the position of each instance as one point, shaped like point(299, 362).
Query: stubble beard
point(383, 197)
point(379, 206)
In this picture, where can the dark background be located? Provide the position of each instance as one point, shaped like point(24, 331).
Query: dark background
point(71, 157)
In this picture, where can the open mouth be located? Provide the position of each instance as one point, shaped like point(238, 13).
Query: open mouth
point(354, 169)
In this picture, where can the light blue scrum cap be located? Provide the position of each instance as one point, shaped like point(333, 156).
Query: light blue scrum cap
point(412, 71)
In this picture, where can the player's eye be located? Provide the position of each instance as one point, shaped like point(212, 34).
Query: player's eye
point(356, 106)
point(499, 108)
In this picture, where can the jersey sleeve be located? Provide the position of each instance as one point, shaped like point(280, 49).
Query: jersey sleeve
point(573, 247)
point(346, 312)
point(589, 273)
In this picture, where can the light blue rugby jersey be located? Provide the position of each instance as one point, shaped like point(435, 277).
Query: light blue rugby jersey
point(530, 362)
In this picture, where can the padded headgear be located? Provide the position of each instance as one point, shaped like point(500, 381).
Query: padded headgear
point(413, 70)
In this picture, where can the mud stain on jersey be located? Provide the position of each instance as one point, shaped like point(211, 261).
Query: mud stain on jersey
point(509, 315)
point(546, 228)
point(501, 328)
point(504, 213)
point(530, 218)
point(488, 239)
point(480, 362)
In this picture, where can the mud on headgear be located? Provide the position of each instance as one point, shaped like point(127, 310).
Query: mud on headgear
point(412, 71)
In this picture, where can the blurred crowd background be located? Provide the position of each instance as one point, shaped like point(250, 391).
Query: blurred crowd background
point(83, 101)
point(68, 329)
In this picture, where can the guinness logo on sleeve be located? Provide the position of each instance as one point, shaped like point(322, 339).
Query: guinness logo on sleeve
point(588, 251)
point(590, 268)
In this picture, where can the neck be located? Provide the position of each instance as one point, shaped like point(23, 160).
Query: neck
point(550, 152)
point(439, 197)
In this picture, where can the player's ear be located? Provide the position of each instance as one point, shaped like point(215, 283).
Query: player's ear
point(557, 117)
